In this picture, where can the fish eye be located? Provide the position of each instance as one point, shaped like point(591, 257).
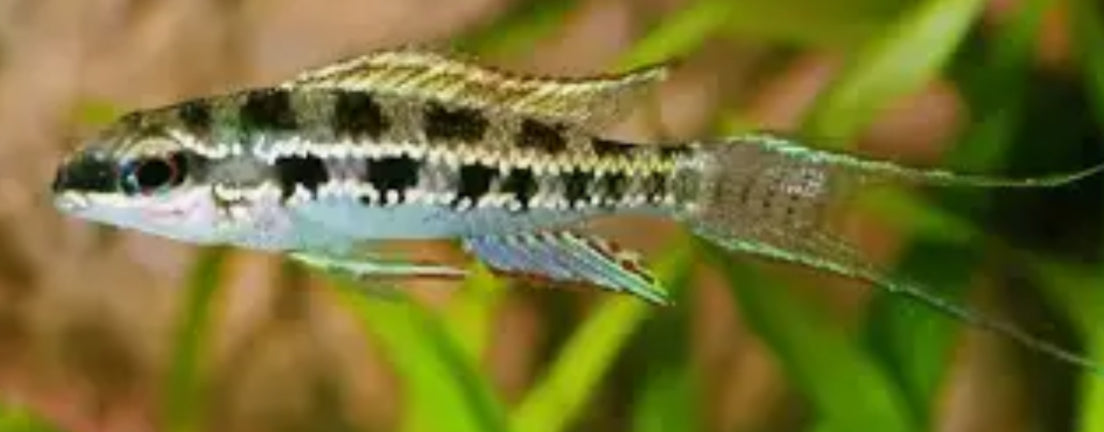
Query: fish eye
point(153, 174)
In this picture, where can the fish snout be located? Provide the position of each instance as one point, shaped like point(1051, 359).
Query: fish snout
point(88, 173)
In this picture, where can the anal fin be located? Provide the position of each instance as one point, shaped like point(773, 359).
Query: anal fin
point(566, 256)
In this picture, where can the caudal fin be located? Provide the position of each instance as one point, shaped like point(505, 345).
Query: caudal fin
point(765, 195)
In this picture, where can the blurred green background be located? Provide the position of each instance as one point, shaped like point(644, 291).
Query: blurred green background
point(107, 330)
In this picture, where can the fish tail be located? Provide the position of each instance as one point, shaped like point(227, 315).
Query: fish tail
point(767, 196)
point(878, 171)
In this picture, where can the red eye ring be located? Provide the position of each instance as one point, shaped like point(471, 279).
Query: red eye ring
point(150, 175)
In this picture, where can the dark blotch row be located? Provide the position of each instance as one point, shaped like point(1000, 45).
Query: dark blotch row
point(674, 151)
point(357, 114)
point(196, 116)
point(308, 171)
point(655, 187)
point(522, 184)
point(268, 110)
point(605, 147)
point(392, 174)
point(454, 124)
point(613, 186)
point(475, 181)
point(577, 186)
point(88, 173)
point(542, 136)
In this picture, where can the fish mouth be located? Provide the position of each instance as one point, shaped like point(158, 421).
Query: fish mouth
point(71, 202)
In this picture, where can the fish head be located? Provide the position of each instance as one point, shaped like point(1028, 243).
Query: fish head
point(141, 176)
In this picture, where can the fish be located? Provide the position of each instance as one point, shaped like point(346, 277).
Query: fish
point(411, 144)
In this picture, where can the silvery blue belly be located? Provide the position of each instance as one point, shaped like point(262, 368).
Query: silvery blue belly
point(419, 221)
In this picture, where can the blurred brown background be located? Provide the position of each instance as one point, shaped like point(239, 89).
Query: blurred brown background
point(86, 313)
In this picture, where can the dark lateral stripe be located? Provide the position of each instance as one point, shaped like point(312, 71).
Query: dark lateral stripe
point(613, 188)
point(392, 174)
point(268, 109)
point(358, 114)
point(132, 120)
point(655, 187)
point(88, 174)
point(673, 151)
point(521, 184)
point(539, 135)
point(475, 181)
point(577, 186)
point(605, 147)
point(308, 171)
point(195, 116)
point(455, 124)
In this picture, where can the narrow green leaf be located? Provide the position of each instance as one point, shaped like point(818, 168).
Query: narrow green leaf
point(668, 388)
point(1091, 415)
point(1088, 37)
point(911, 53)
point(96, 112)
point(680, 33)
point(1068, 283)
point(670, 398)
point(669, 391)
point(829, 23)
point(184, 391)
point(17, 419)
point(469, 317)
point(558, 397)
point(439, 378)
point(909, 213)
point(915, 346)
point(519, 28)
point(1071, 287)
point(846, 387)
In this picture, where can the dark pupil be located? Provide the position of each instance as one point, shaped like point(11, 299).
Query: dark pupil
point(153, 173)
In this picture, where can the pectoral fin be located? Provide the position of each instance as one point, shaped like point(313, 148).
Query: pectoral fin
point(372, 266)
point(568, 257)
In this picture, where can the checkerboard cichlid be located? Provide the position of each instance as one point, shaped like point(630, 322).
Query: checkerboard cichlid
point(408, 144)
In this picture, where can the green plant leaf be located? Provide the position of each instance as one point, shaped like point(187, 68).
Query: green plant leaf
point(669, 397)
point(914, 346)
point(519, 28)
point(847, 388)
point(96, 112)
point(468, 317)
point(1087, 25)
point(681, 33)
point(836, 24)
point(17, 419)
point(183, 399)
point(908, 56)
point(439, 378)
point(670, 400)
point(1088, 37)
point(1067, 284)
point(569, 382)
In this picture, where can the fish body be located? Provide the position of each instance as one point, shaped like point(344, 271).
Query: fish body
point(270, 164)
point(417, 145)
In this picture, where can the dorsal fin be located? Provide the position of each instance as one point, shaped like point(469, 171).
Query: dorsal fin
point(588, 101)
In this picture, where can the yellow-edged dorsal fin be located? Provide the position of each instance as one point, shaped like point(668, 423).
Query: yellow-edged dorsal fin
point(589, 101)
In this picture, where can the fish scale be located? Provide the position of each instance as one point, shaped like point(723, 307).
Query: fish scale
point(407, 144)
